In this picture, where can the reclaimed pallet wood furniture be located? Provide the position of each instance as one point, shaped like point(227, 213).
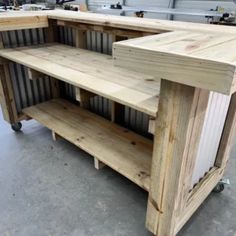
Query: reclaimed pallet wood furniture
point(182, 75)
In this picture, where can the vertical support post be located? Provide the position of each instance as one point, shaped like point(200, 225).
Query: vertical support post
point(227, 135)
point(98, 164)
point(173, 125)
point(117, 109)
point(80, 39)
point(55, 136)
point(83, 97)
point(55, 87)
point(117, 113)
point(51, 33)
point(7, 99)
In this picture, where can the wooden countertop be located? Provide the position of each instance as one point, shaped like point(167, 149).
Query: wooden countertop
point(8, 20)
point(206, 61)
point(199, 55)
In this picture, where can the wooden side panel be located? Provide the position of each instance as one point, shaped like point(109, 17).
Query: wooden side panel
point(210, 180)
point(173, 127)
point(197, 119)
point(216, 113)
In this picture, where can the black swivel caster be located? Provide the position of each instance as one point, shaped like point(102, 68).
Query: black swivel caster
point(16, 126)
point(219, 188)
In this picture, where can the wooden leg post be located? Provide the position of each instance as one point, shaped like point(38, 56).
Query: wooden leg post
point(55, 136)
point(7, 99)
point(51, 33)
point(98, 164)
point(83, 97)
point(172, 129)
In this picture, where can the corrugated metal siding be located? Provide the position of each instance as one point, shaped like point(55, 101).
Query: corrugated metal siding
point(27, 92)
point(210, 138)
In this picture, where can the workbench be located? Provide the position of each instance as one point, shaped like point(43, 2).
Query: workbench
point(178, 78)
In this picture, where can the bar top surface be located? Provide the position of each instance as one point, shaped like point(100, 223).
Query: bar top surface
point(202, 49)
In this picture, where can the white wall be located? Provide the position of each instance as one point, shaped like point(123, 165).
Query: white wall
point(94, 4)
point(203, 5)
point(186, 4)
point(157, 3)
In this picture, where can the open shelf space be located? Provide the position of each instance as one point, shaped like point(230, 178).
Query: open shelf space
point(124, 151)
point(91, 71)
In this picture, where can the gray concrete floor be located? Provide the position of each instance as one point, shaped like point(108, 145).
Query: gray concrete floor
point(52, 188)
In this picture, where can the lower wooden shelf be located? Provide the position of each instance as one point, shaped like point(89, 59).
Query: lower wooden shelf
point(124, 151)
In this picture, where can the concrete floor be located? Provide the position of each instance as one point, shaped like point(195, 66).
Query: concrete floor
point(52, 188)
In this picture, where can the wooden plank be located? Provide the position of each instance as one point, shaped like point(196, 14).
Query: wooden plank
point(173, 126)
point(104, 29)
point(98, 164)
point(198, 60)
point(23, 20)
point(138, 24)
point(228, 135)
point(124, 151)
point(152, 125)
point(93, 72)
point(80, 38)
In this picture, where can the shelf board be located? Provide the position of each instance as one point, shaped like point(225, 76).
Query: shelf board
point(124, 151)
point(91, 71)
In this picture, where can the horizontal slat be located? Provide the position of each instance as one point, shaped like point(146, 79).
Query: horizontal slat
point(91, 71)
point(22, 20)
point(134, 23)
point(117, 147)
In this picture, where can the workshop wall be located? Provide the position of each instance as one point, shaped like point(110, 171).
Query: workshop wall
point(228, 5)
point(203, 5)
point(153, 3)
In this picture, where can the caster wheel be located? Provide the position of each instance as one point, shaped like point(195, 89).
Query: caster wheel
point(16, 127)
point(219, 188)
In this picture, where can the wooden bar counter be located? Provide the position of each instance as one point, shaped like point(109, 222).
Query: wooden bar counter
point(180, 76)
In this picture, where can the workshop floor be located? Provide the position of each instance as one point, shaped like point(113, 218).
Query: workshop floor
point(51, 188)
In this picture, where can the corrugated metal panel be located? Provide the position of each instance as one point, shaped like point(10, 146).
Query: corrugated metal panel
point(26, 92)
point(210, 138)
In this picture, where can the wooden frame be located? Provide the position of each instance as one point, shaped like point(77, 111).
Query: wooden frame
point(177, 126)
